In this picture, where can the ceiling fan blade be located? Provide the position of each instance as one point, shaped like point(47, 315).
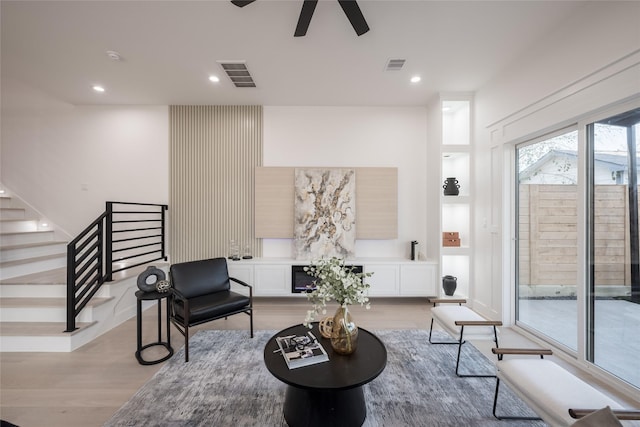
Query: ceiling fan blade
point(353, 12)
point(242, 3)
point(308, 7)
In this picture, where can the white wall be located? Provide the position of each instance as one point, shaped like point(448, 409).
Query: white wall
point(589, 62)
point(66, 161)
point(357, 137)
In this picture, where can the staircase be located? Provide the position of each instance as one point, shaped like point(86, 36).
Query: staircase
point(33, 287)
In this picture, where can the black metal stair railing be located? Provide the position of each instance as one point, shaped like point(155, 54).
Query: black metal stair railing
point(125, 236)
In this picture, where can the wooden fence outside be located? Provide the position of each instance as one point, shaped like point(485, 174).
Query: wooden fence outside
point(548, 225)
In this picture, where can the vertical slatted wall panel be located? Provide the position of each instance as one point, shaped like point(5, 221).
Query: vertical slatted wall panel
point(213, 152)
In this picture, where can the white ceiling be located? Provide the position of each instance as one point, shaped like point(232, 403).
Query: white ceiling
point(169, 48)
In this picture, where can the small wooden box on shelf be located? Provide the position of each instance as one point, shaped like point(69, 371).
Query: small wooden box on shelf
point(450, 238)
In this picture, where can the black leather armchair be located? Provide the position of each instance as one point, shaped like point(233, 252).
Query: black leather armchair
point(201, 292)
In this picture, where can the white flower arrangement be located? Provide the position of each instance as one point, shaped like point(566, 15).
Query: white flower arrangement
point(335, 282)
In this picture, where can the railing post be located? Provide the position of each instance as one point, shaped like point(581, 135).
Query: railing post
point(108, 244)
point(163, 208)
point(71, 287)
point(100, 255)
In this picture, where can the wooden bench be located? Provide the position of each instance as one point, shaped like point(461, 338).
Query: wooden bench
point(453, 317)
point(550, 390)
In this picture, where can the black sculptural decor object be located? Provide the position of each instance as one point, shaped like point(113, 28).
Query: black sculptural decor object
point(147, 280)
point(449, 285)
point(451, 187)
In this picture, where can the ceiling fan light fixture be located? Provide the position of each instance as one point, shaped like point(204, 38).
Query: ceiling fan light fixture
point(242, 3)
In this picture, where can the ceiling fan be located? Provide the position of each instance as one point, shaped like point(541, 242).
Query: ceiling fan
point(350, 8)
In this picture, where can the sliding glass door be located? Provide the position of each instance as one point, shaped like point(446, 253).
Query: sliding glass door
point(546, 233)
point(578, 270)
point(613, 312)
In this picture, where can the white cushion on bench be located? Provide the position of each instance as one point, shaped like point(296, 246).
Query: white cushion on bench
point(446, 316)
point(551, 390)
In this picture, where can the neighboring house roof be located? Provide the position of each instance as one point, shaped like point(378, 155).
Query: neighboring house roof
point(613, 162)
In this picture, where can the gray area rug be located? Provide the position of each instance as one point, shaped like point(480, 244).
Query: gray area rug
point(226, 383)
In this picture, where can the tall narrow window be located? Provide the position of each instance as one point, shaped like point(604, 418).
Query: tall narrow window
point(546, 231)
point(614, 247)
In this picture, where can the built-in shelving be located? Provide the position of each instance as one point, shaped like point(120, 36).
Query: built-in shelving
point(456, 151)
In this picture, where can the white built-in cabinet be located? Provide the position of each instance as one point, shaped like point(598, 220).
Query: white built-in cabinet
point(456, 152)
point(385, 281)
point(418, 279)
point(391, 278)
point(272, 280)
point(241, 271)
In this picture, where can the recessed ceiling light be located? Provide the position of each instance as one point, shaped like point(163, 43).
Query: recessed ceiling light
point(113, 55)
point(98, 88)
point(214, 79)
point(415, 79)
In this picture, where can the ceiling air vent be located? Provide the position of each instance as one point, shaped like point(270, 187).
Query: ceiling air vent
point(238, 73)
point(395, 64)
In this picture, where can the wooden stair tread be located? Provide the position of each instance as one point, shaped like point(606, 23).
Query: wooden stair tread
point(33, 245)
point(56, 276)
point(5, 264)
point(46, 302)
point(40, 328)
point(13, 233)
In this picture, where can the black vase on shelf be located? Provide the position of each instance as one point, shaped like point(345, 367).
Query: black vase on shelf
point(451, 187)
point(449, 284)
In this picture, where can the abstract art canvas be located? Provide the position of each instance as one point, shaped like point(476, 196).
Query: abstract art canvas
point(325, 213)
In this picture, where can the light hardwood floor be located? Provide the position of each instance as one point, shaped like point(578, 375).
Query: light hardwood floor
point(85, 387)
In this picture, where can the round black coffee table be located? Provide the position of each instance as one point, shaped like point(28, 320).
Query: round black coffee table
point(327, 393)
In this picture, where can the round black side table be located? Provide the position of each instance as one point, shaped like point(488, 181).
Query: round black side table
point(151, 296)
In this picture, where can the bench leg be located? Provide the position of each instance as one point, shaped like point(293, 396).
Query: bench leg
point(495, 404)
point(495, 338)
point(459, 343)
point(439, 342)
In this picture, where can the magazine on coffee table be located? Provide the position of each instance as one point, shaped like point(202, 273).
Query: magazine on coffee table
point(301, 350)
